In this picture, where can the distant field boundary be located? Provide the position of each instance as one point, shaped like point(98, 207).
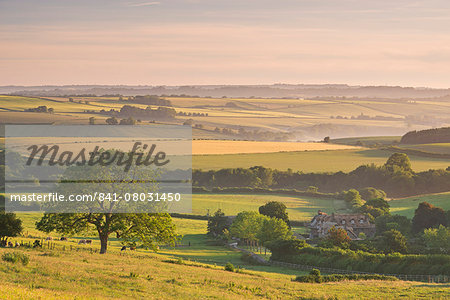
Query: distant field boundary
point(417, 152)
point(259, 191)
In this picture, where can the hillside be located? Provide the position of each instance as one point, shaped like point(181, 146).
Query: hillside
point(82, 275)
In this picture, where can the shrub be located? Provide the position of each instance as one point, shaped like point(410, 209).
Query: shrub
point(229, 267)
point(15, 257)
point(341, 277)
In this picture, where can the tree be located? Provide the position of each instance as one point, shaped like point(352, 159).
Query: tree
point(398, 162)
point(312, 189)
point(128, 121)
point(112, 121)
point(247, 225)
point(275, 209)
point(218, 223)
point(394, 241)
point(370, 193)
point(326, 139)
point(437, 238)
point(264, 174)
point(273, 229)
point(91, 121)
point(10, 226)
point(145, 228)
point(427, 216)
point(281, 248)
point(353, 198)
point(132, 221)
point(188, 122)
point(387, 222)
point(338, 237)
point(376, 207)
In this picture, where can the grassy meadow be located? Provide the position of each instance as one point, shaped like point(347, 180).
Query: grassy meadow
point(194, 272)
point(81, 275)
point(299, 208)
point(311, 161)
point(407, 206)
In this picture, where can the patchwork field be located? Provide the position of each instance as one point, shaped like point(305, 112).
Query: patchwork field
point(306, 119)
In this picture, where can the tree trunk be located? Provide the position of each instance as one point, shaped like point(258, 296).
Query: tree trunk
point(103, 243)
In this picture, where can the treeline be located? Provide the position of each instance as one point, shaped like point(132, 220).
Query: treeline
point(150, 100)
point(395, 177)
point(436, 135)
point(256, 134)
point(161, 112)
point(41, 109)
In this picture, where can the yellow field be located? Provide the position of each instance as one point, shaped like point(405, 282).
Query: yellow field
point(200, 147)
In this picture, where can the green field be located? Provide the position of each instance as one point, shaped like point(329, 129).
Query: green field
point(70, 274)
point(299, 208)
point(407, 206)
point(81, 275)
point(311, 161)
point(369, 141)
point(442, 148)
point(193, 233)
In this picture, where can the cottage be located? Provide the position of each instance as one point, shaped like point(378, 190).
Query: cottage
point(354, 224)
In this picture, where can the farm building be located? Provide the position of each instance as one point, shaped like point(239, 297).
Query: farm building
point(354, 224)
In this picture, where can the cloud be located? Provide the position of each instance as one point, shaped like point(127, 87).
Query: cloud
point(143, 4)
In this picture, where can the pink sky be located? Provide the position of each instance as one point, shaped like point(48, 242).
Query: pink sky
point(303, 43)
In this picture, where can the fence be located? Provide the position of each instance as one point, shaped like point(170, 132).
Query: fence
point(423, 278)
point(50, 245)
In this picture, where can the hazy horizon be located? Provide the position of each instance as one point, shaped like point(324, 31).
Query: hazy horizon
point(199, 42)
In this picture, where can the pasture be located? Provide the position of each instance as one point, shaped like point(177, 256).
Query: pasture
point(81, 275)
point(407, 206)
point(441, 148)
point(369, 141)
point(172, 273)
point(311, 161)
point(298, 208)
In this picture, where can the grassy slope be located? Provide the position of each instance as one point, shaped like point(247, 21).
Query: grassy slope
point(310, 161)
point(299, 208)
point(382, 140)
point(57, 274)
point(407, 206)
point(443, 148)
point(68, 275)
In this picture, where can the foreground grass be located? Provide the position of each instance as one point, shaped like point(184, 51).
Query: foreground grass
point(68, 275)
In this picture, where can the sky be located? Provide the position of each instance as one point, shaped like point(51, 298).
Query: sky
point(184, 42)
